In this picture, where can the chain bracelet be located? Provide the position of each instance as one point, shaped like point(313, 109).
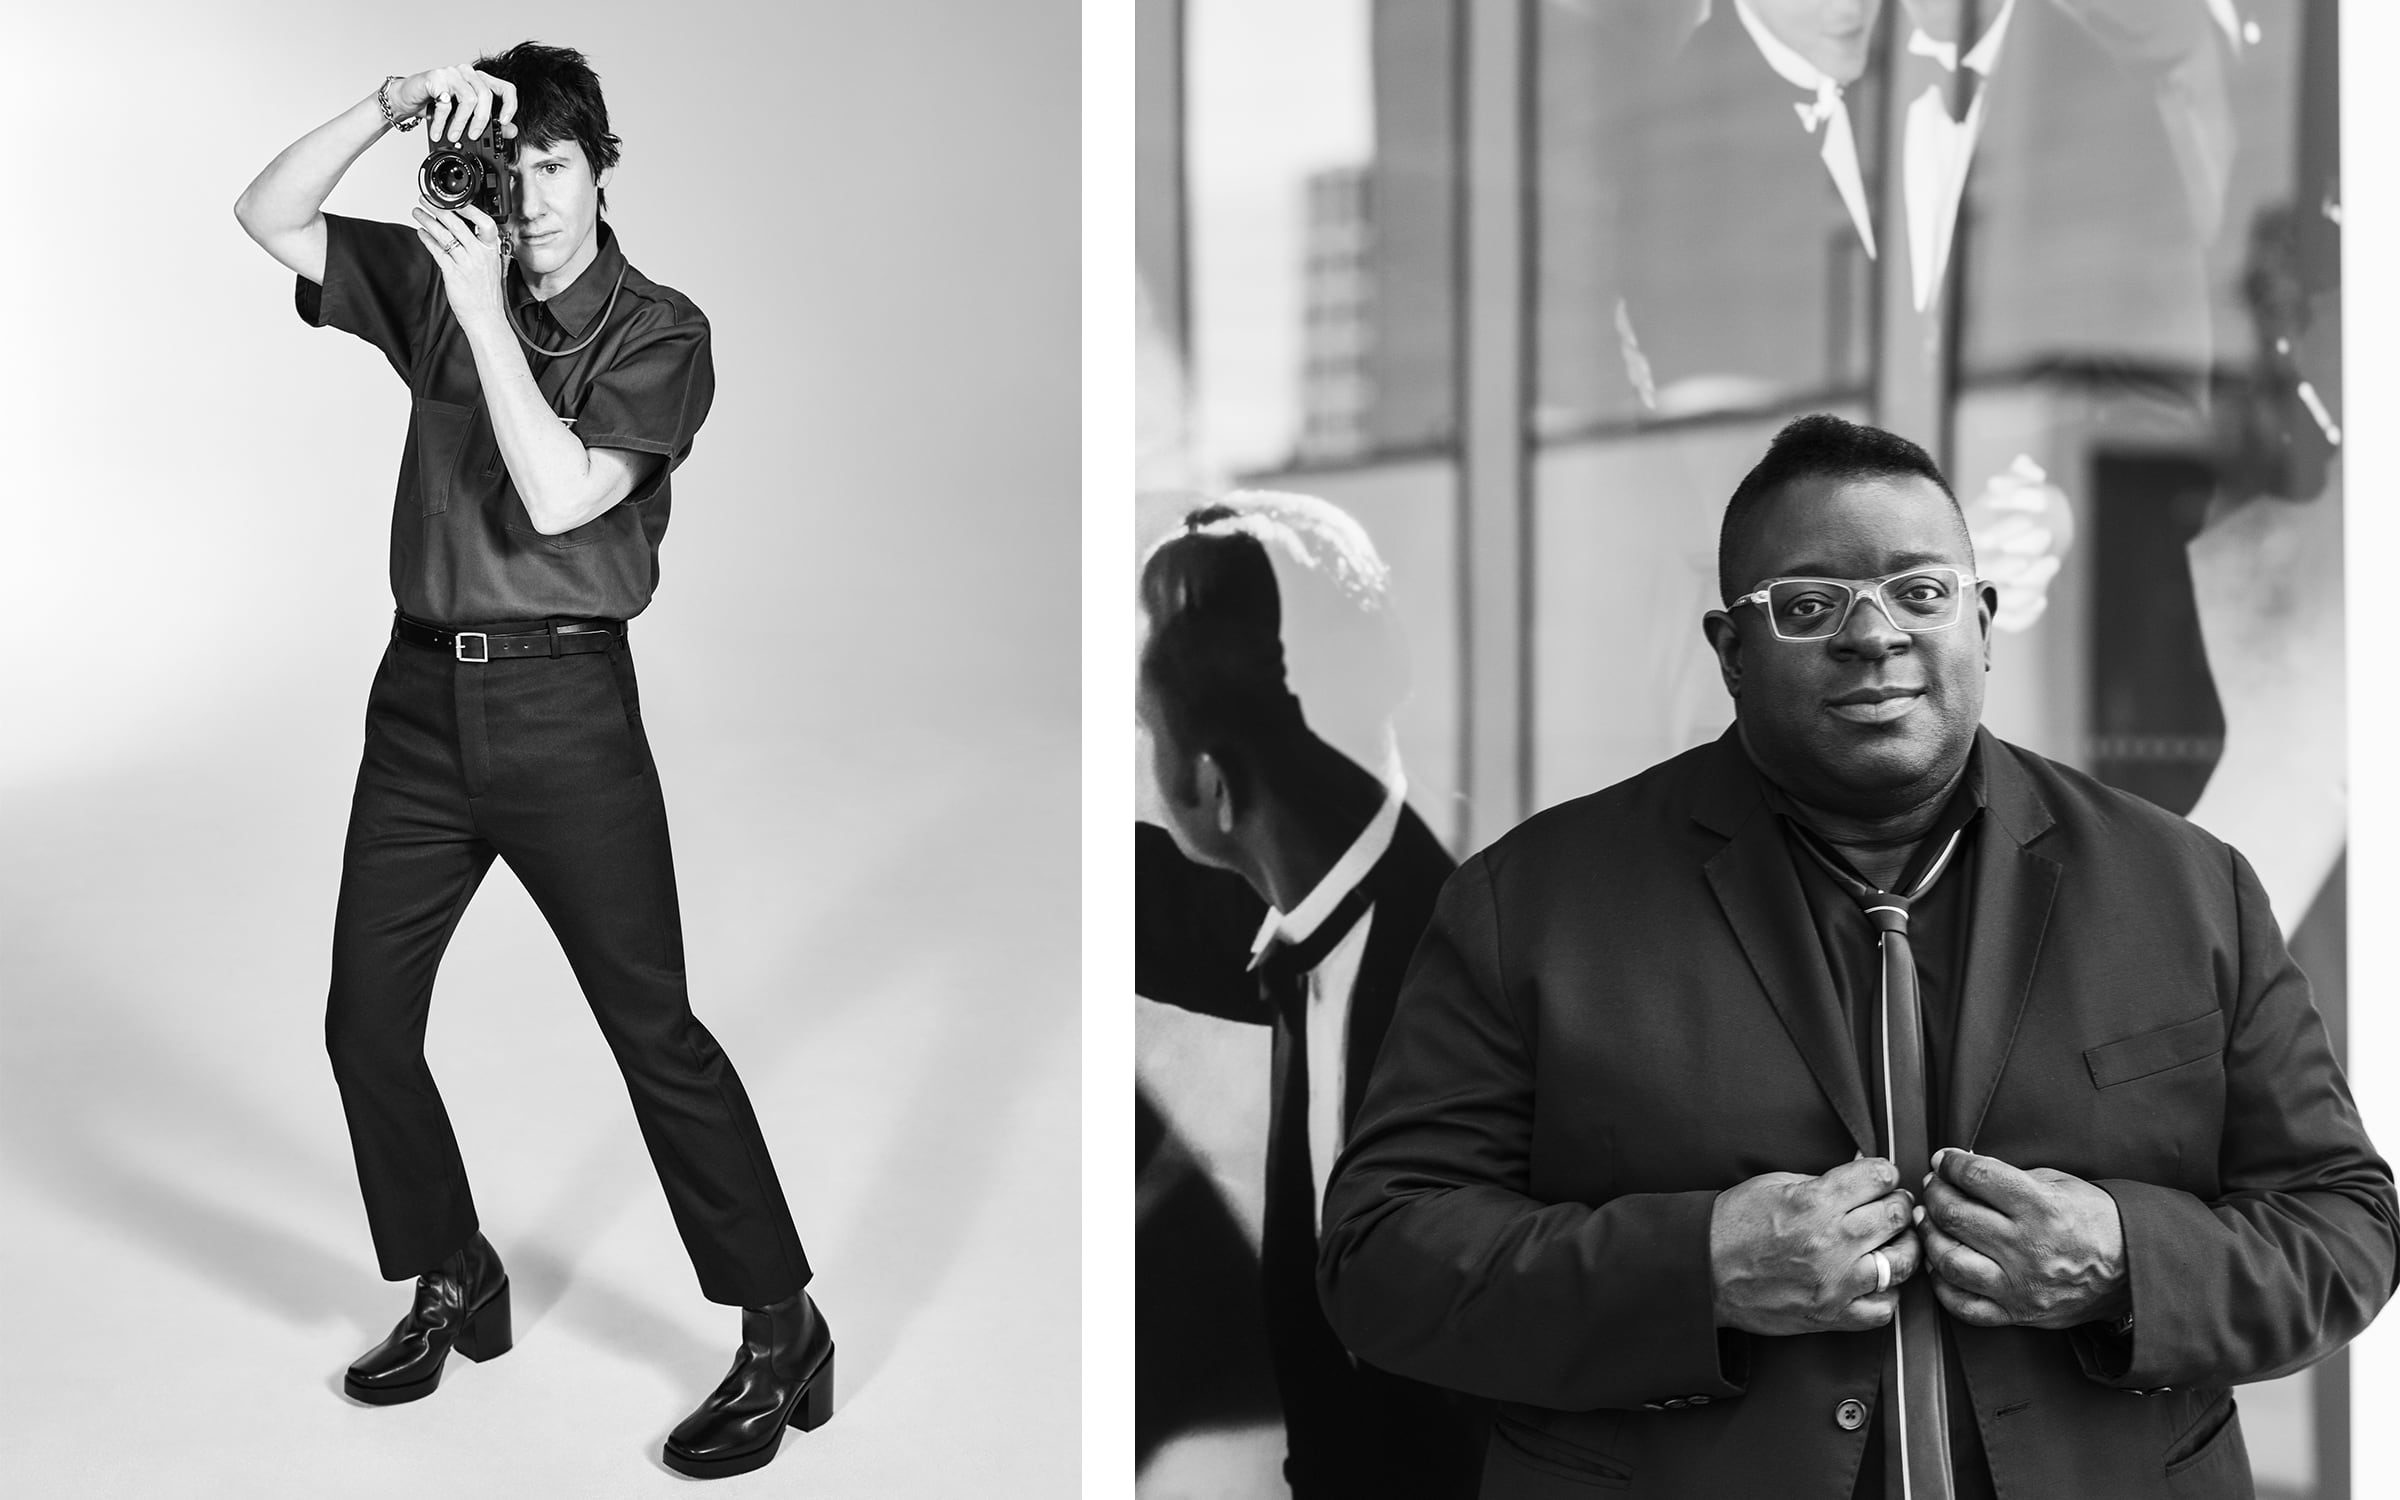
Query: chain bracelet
point(391, 117)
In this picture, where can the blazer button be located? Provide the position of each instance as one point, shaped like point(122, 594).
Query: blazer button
point(1699, 1401)
point(1851, 1415)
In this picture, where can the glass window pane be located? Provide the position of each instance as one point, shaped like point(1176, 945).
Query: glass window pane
point(1320, 148)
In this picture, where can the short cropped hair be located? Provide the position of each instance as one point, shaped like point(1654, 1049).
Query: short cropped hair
point(558, 99)
point(1818, 446)
point(1261, 600)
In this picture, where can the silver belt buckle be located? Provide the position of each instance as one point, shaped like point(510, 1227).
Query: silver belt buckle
point(458, 646)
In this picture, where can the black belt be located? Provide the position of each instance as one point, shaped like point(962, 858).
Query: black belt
point(482, 646)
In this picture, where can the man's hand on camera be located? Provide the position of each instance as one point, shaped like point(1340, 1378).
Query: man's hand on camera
point(465, 243)
point(1795, 1254)
point(458, 101)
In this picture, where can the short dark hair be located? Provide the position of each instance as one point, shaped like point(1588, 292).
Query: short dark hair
point(558, 99)
point(1818, 446)
point(1216, 658)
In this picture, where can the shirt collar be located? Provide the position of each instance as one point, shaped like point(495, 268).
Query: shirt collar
point(1796, 70)
point(574, 308)
point(1981, 58)
point(1967, 801)
point(1364, 853)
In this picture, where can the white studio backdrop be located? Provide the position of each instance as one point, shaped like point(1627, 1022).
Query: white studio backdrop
point(859, 680)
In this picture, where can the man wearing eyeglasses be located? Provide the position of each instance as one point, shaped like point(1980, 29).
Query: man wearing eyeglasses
point(1856, 1105)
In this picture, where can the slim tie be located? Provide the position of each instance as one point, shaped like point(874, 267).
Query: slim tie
point(1917, 1437)
point(1283, 982)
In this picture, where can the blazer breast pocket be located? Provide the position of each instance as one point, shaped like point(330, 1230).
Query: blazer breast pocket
point(2153, 1052)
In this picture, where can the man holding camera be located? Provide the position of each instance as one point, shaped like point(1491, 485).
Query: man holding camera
point(550, 406)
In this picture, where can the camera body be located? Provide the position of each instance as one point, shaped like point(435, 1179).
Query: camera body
point(473, 169)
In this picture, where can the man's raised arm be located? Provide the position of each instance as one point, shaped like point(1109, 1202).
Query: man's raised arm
point(283, 208)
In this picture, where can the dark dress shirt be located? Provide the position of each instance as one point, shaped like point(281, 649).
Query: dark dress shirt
point(464, 551)
point(1938, 924)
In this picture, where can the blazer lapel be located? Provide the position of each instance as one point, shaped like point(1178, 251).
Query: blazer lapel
point(2014, 890)
point(1761, 897)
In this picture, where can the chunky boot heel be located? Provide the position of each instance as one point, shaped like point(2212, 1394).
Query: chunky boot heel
point(782, 1378)
point(486, 1332)
point(461, 1304)
point(816, 1400)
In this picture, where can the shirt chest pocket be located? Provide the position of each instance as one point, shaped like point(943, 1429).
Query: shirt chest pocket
point(442, 429)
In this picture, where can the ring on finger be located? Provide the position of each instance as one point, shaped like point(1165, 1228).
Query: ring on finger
point(1883, 1271)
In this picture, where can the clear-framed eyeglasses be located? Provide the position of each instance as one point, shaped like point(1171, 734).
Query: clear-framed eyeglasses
point(1918, 601)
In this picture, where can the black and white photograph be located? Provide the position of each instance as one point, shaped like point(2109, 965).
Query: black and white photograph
point(1742, 752)
point(1743, 638)
point(540, 861)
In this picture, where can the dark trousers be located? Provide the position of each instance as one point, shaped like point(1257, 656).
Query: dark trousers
point(541, 762)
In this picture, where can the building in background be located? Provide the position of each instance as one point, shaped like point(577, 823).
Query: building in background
point(1337, 386)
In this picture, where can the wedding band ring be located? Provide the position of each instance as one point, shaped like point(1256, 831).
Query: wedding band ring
point(1883, 1271)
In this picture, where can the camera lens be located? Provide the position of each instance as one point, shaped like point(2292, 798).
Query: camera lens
point(449, 179)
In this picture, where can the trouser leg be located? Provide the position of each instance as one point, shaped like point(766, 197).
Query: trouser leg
point(410, 863)
point(574, 807)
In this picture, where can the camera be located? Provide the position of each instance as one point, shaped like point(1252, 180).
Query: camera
point(474, 169)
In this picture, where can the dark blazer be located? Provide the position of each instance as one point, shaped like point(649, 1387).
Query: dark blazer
point(1620, 1010)
point(1352, 1428)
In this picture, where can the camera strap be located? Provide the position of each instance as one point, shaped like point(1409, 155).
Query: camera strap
point(576, 347)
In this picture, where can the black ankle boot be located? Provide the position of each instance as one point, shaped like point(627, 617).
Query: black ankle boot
point(462, 1305)
point(782, 1378)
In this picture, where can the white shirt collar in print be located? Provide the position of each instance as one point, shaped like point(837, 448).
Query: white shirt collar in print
point(1828, 109)
point(1936, 154)
point(1785, 59)
point(1312, 910)
point(1981, 58)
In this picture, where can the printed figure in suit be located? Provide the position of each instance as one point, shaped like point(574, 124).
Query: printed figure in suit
point(1288, 889)
point(1763, 128)
point(1752, 215)
point(1857, 1104)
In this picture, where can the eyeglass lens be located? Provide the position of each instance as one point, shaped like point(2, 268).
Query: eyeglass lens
point(1808, 609)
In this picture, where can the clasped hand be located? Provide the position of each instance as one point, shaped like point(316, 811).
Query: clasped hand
point(1797, 1254)
point(2038, 1248)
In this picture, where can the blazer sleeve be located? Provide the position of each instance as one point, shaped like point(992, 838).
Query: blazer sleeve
point(1439, 1263)
point(1192, 932)
point(2298, 1251)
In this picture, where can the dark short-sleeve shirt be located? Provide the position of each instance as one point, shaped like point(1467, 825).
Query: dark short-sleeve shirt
point(464, 551)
